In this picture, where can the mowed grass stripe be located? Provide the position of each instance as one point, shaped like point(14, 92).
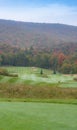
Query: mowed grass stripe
point(5, 79)
point(69, 84)
point(1, 77)
point(32, 76)
point(13, 80)
point(37, 116)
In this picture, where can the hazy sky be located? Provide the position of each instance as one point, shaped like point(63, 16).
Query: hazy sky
point(46, 11)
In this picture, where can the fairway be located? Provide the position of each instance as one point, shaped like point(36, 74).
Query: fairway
point(32, 76)
point(37, 116)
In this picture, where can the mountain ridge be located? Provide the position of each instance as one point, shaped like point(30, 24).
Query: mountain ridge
point(26, 34)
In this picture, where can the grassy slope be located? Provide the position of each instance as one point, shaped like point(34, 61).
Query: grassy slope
point(31, 84)
point(31, 75)
point(37, 116)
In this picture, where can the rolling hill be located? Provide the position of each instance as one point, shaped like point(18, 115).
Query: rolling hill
point(24, 34)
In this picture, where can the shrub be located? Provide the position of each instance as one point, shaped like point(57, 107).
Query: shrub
point(3, 72)
point(13, 75)
point(75, 78)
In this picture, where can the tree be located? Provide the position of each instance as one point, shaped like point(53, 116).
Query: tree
point(54, 62)
point(41, 72)
point(66, 68)
point(74, 68)
point(0, 59)
point(61, 58)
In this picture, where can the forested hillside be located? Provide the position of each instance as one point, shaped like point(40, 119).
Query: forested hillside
point(38, 34)
point(52, 46)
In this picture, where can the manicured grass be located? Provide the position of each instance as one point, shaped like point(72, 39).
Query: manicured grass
point(13, 80)
point(37, 116)
point(33, 101)
point(56, 101)
point(1, 77)
point(32, 76)
point(71, 84)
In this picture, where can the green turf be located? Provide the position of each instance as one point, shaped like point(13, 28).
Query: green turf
point(1, 77)
point(71, 84)
point(32, 76)
point(37, 116)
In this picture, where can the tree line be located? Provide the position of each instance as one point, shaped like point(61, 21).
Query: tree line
point(53, 59)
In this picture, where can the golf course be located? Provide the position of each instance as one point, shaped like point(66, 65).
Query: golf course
point(30, 100)
point(38, 65)
point(31, 75)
